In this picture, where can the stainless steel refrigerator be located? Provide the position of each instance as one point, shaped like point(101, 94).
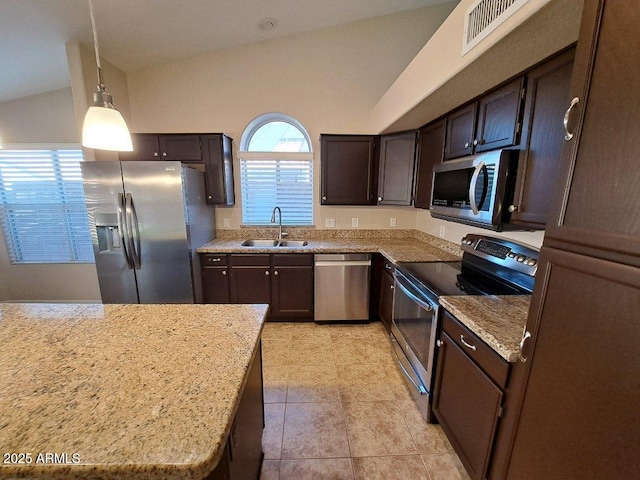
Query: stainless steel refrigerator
point(147, 219)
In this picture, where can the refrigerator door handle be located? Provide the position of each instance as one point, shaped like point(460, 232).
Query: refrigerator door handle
point(122, 228)
point(134, 231)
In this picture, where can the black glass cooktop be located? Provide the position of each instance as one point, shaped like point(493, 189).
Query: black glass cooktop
point(453, 278)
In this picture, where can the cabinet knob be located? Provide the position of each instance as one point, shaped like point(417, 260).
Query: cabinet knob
point(164, 154)
point(513, 208)
point(324, 198)
point(266, 272)
point(275, 272)
point(209, 197)
point(439, 343)
point(224, 272)
point(475, 142)
point(392, 287)
point(155, 154)
point(467, 145)
point(379, 199)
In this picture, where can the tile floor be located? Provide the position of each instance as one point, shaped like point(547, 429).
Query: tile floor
point(336, 407)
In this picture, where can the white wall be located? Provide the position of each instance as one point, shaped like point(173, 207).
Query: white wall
point(46, 118)
point(328, 80)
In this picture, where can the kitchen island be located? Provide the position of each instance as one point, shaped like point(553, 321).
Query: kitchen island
point(123, 391)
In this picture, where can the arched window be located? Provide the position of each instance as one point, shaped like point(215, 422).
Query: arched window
point(276, 170)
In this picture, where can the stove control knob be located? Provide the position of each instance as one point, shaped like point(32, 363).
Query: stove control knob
point(531, 262)
point(511, 255)
point(520, 258)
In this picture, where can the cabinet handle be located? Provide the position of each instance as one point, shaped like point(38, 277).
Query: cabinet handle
point(387, 266)
point(468, 345)
point(567, 134)
point(513, 208)
point(525, 337)
point(214, 259)
point(275, 272)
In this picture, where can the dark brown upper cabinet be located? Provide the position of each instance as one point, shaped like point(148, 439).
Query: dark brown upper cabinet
point(430, 153)
point(348, 169)
point(146, 146)
point(491, 122)
point(218, 164)
point(397, 167)
point(542, 140)
point(461, 128)
point(153, 146)
point(499, 117)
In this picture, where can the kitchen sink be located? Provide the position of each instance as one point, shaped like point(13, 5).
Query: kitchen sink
point(274, 243)
point(292, 243)
point(260, 243)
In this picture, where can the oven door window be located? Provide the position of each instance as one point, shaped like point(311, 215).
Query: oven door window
point(415, 323)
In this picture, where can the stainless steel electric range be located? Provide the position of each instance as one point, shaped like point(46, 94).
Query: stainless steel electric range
point(489, 266)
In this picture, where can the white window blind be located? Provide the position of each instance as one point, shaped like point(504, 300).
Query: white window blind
point(282, 179)
point(42, 206)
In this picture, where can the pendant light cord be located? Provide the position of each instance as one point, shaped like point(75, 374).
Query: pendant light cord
point(95, 44)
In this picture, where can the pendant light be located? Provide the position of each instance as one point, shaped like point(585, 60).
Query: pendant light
point(104, 127)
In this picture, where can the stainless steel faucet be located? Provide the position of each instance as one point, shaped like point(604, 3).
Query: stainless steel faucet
point(273, 220)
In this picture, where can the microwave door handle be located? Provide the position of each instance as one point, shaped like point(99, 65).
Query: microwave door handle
point(472, 187)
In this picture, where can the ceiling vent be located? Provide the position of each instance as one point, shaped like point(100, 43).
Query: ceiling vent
point(483, 17)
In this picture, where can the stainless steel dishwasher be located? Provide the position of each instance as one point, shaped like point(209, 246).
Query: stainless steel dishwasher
point(342, 287)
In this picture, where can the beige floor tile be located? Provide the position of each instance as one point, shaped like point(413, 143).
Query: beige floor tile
point(281, 330)
point(341, 330)
point(408, 467)
point(350, 351)
point(396, 379)
point(310, 351)
point(361, 383)
point(317, 469)
point(275, 351)
point(272, 434)
point(313, 383)
point(314, 430)
point(275, 383)
point(445, 466)
point(270, 470)
point(429, 437)
point(310, 330)
point(377, 429)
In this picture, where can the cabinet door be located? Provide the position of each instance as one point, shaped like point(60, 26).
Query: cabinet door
point(461, 128)
point(467, 404)
point(397, 166)
point(146, 146)
point(430, 153)
point(250, 278)
point(596, 204)
point(183, 148)
point(215, 285)
point(386, 300)
point(542, 140)
point(579, 418)
point(292, 292)
point(347, 168)
point(218, 161)
point(499, 117)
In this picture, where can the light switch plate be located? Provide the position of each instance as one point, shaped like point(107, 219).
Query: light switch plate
point(443, 229)
point(392, 222)
point(330, 222)
point(354, 222)
point(225, 222)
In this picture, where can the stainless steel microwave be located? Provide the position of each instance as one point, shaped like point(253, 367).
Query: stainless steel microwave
point(475, 190)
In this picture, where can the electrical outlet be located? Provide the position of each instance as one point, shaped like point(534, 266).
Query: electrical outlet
point(392, 222)
point(442, 231)
point(225, 222)
point(354, 222)
point(330, 222)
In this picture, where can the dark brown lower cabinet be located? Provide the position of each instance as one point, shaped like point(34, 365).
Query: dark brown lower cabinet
point(386, 299)
point(242, 456)
point(284, 281)
point(381, 290)
point(467, 400)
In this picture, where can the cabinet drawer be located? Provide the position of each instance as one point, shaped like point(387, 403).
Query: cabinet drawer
point(214, 260)
point(483, 355)
point(259, 260)
point(292, 259)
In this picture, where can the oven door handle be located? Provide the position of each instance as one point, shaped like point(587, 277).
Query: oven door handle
point(427, 306)
point(394, 346)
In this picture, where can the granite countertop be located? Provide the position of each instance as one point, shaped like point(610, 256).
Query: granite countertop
point(121, 391)
point(498, 320)
point(395, 249)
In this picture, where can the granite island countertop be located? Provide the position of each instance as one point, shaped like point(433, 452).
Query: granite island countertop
point(395, 249)
point(121, 391)
point(498, 320)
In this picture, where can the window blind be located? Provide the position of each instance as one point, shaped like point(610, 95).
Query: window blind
point(44, 216)
point(277, 179)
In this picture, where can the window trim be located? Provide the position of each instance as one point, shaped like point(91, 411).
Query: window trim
point(262, 120)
